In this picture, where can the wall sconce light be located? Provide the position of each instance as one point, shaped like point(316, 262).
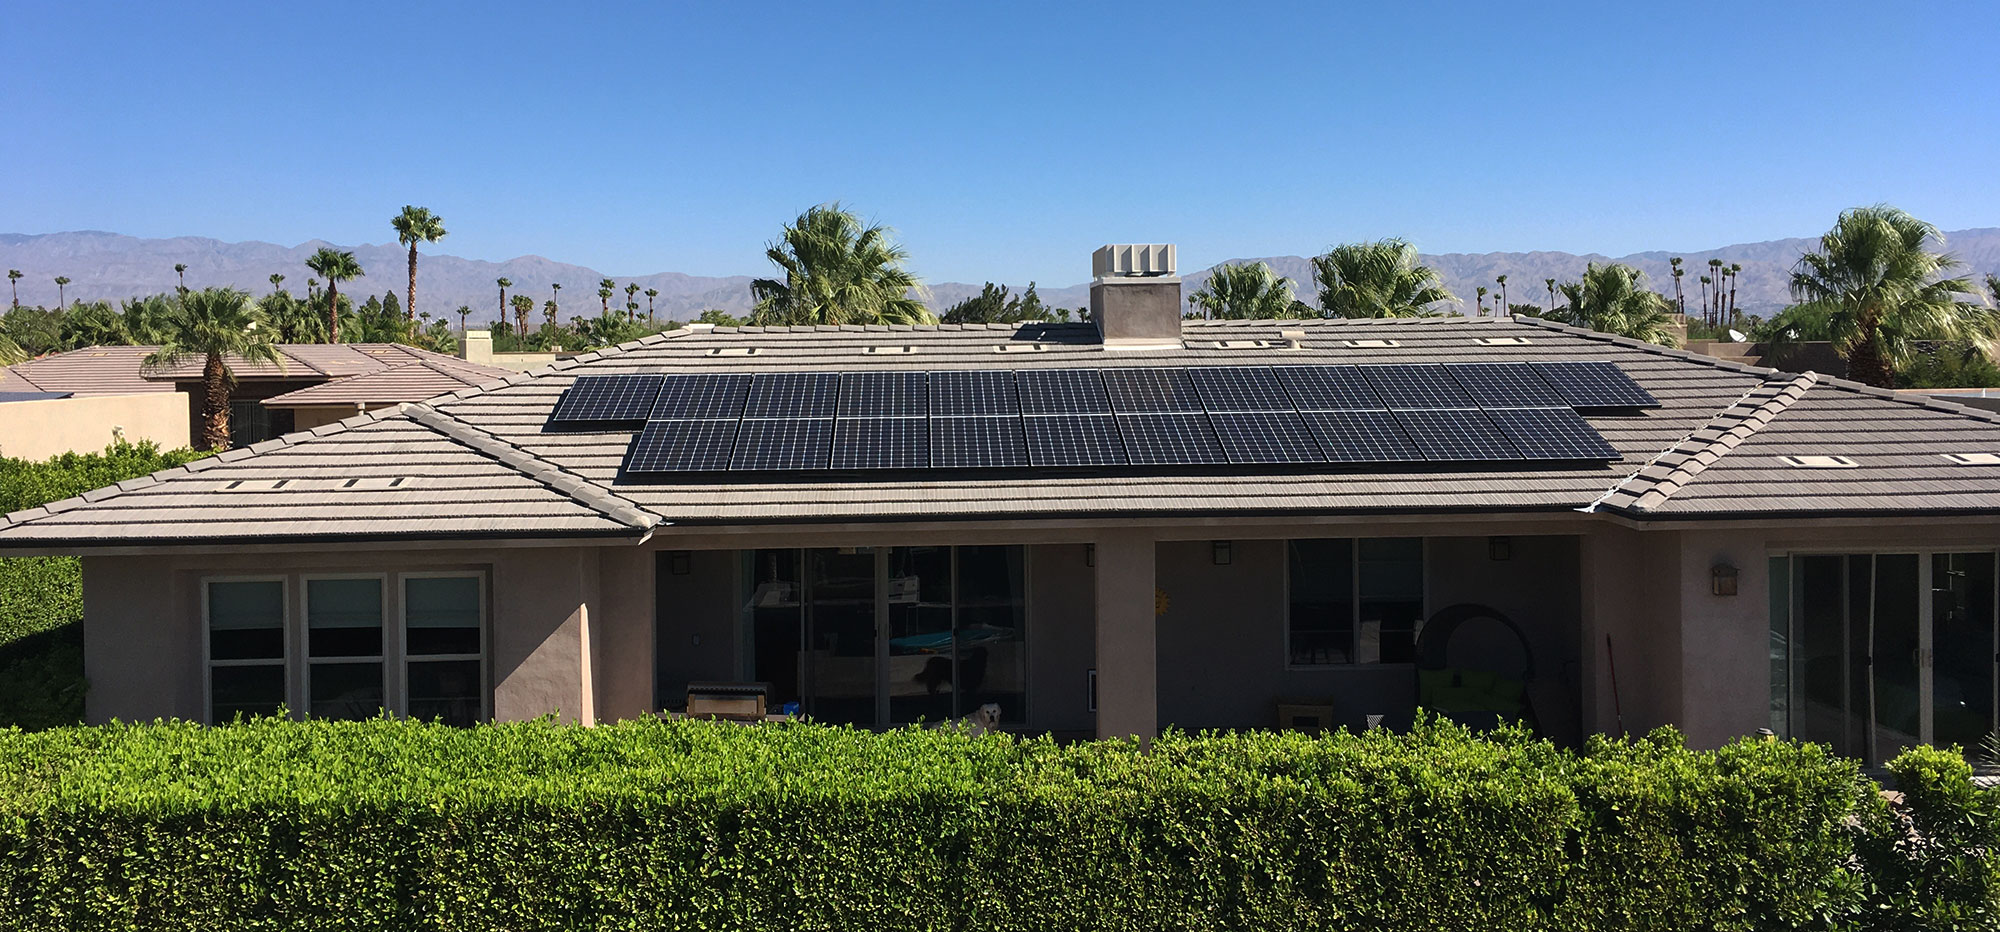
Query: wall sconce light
point(1089, 554)
point(1223, 552)
point(679, 562)
point(1722, 579)
point(1499, 548)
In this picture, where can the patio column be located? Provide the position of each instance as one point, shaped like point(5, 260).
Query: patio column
point(1127, 649)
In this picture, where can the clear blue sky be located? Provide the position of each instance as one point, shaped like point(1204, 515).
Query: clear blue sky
point(1004, 140)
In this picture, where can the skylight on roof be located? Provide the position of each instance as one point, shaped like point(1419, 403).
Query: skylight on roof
point(1502, 341)
point(1369, 344)
point(1819, 461)
point(1973, 459)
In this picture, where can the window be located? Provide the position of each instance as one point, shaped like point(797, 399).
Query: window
point(444, 643)
point(1354, 601)
point(246, 647)
point(344, 647)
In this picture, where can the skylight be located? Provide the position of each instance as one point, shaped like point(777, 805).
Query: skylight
point(1819, 461)
point(1973, 459)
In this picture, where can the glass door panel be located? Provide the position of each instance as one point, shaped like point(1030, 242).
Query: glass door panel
point(840, 667)
point(992, 631)
point(925, 670)
point(1820, 655)
point(1962, 648)
point(1898, 657)
point(774, 610)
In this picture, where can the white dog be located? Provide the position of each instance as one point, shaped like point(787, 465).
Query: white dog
point(982, 720)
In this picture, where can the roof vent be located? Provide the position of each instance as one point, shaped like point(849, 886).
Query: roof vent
point(256, 485)
point(1242, 344)
point(1020, 348)
point(373, 484)
point(1294, 339)
point(1973, 459)
point(902, 350)
point(1132, 261)
point(1817, 461)
point(1502, 341)
point(1369, 344)
point(734, 351)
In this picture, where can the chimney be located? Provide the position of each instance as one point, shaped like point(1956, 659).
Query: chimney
point(477, 347)
point(1135, 296)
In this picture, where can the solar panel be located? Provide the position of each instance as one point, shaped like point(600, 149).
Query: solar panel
point(1505, 385)
point(1266, 437)
point(1551, 434)
point(1329, 388)
point(718, 394)
point(881, 443)
point(792, 394)
point(883, 394)
point(1455, 435)
point(978, 441)
point(1595, 385)
point(683, 446)
point(1146, 391)
point(1362, 437)
point(596, 398)
point(1406, 385)
point(1240, 388)
point(1062, 391)
point(989, 391)
point(1073, 440)
point(771, 445)
point(1170, 439)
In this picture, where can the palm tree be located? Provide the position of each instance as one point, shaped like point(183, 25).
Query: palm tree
point(1713, 315)
point(837, 270)
point(416, 225)
point(1249, 291)
point(1704, 298)
point(1680, 301)
point(1501, 280)
point(61, 282)
point(1613, 298)
point(276, 280)
point(464, 310)
point(605, 288)
point(1482, 300)
point(213, 324)
point(523, 306)
point(1733, 269)
point(1882, 290)
point(550, 310)
point(632, 301)
point(555, 291)
point(180, 269)
point(1379, 279)
point(1551, 283)
point(651, 293)
point(13, 283)
point(335, 266)
point(504, 284)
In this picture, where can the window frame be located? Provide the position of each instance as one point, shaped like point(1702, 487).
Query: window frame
point(306, 661)
point(208, 661)
point(404, 658)
point(1354, 603)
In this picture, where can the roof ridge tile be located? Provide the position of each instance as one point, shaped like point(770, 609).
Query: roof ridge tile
point(584, 492)
point(1645, 488)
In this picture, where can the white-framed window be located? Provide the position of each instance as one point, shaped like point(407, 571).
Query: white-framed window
point(245, 638)
point(1353, 601)
point(444, 647)
point(345, 651)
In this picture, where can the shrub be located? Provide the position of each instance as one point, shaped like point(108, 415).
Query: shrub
point(274, 824)
point(1934, 860)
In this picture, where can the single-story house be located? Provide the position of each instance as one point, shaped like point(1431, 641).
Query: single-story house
point(1102, 528)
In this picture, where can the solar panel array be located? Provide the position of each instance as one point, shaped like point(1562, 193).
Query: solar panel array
point(1088, 418)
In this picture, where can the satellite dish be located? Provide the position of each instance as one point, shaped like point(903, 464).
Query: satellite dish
point(1736, 336)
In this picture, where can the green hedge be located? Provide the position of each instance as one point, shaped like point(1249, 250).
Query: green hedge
point(685, 825)
point(41, 598)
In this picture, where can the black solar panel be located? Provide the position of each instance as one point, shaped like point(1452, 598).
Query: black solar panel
point(1551, 434)
point(1240, 388)
point(1170, 439)
point(599, 398)
point(719, 394)
point(1595, 385)
point(1505, 385)
point(978, 441)
point(883, 394)
point(683, 446)
point(1361, 437)
point(1073, 440)
point(1147, 391)
point(1329, 388)
point(881, 443)
point(1062, 391)
point(773, 445)
point(792, 394)
point(986, 391)
point(1455, 435)
point(1416, 386)
point(1266, 437)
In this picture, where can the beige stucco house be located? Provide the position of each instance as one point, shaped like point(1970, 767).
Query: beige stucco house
point(1757, 549)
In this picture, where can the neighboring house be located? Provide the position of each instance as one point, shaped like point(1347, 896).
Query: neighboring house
point(82, 401)
point(1756, 550)
point(337, 399)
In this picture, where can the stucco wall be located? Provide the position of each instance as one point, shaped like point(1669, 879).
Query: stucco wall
point(37, 430)
point(1062, 618)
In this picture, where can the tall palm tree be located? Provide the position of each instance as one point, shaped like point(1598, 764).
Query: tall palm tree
point(651, 293)
point(416, 225)
point(464, 310)
point(335, 266)
point(550, 309)
point(1248, 291)
point(632, 301)
point(13, 283)
point(1882, 290)
point(1704, 298)
point(1501, 280)
point(1613, 298)
point(276, 280)
point(1714, 312)
point(523, 306)
point(1378, 279)
point(504, 283)
point(1551, 283)
point(1680, 300)
point(1733, 269)
point(837, 270)
point(1481, 302)
point(605, 288)
point(61, 282)
point(555, 292)
point(180, 269)
point(212, 325)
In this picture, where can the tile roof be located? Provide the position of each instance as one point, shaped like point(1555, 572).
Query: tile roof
point(92, 370)
point(314, 361)
point(1709, 450)
point(412, 381)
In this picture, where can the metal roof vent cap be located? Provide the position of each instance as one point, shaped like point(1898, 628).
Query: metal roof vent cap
point(1819, 461)
point(1135, 296)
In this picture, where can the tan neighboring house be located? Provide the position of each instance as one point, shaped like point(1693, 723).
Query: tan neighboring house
point(83, 401)
point(1756, 550)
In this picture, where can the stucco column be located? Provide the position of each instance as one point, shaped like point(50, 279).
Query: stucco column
point(1127, 648)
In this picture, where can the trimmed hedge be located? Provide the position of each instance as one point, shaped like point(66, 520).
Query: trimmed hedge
point(690, 825)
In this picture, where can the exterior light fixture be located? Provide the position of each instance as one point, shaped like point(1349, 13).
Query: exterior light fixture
point(1499, 548)
point(678, 562)
point(1722, 579)
point(1089, 554)
point(1223, 552)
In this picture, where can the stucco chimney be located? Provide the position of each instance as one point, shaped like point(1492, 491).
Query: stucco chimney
point(1135, 296)
point(477, 347)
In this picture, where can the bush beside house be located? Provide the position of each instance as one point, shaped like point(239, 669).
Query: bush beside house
point(652, 825)
point(41, 598)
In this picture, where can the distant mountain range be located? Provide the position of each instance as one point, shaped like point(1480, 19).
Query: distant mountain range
point(110, 266)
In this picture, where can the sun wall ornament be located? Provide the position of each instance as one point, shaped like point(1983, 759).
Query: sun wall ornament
point(1160, 602)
